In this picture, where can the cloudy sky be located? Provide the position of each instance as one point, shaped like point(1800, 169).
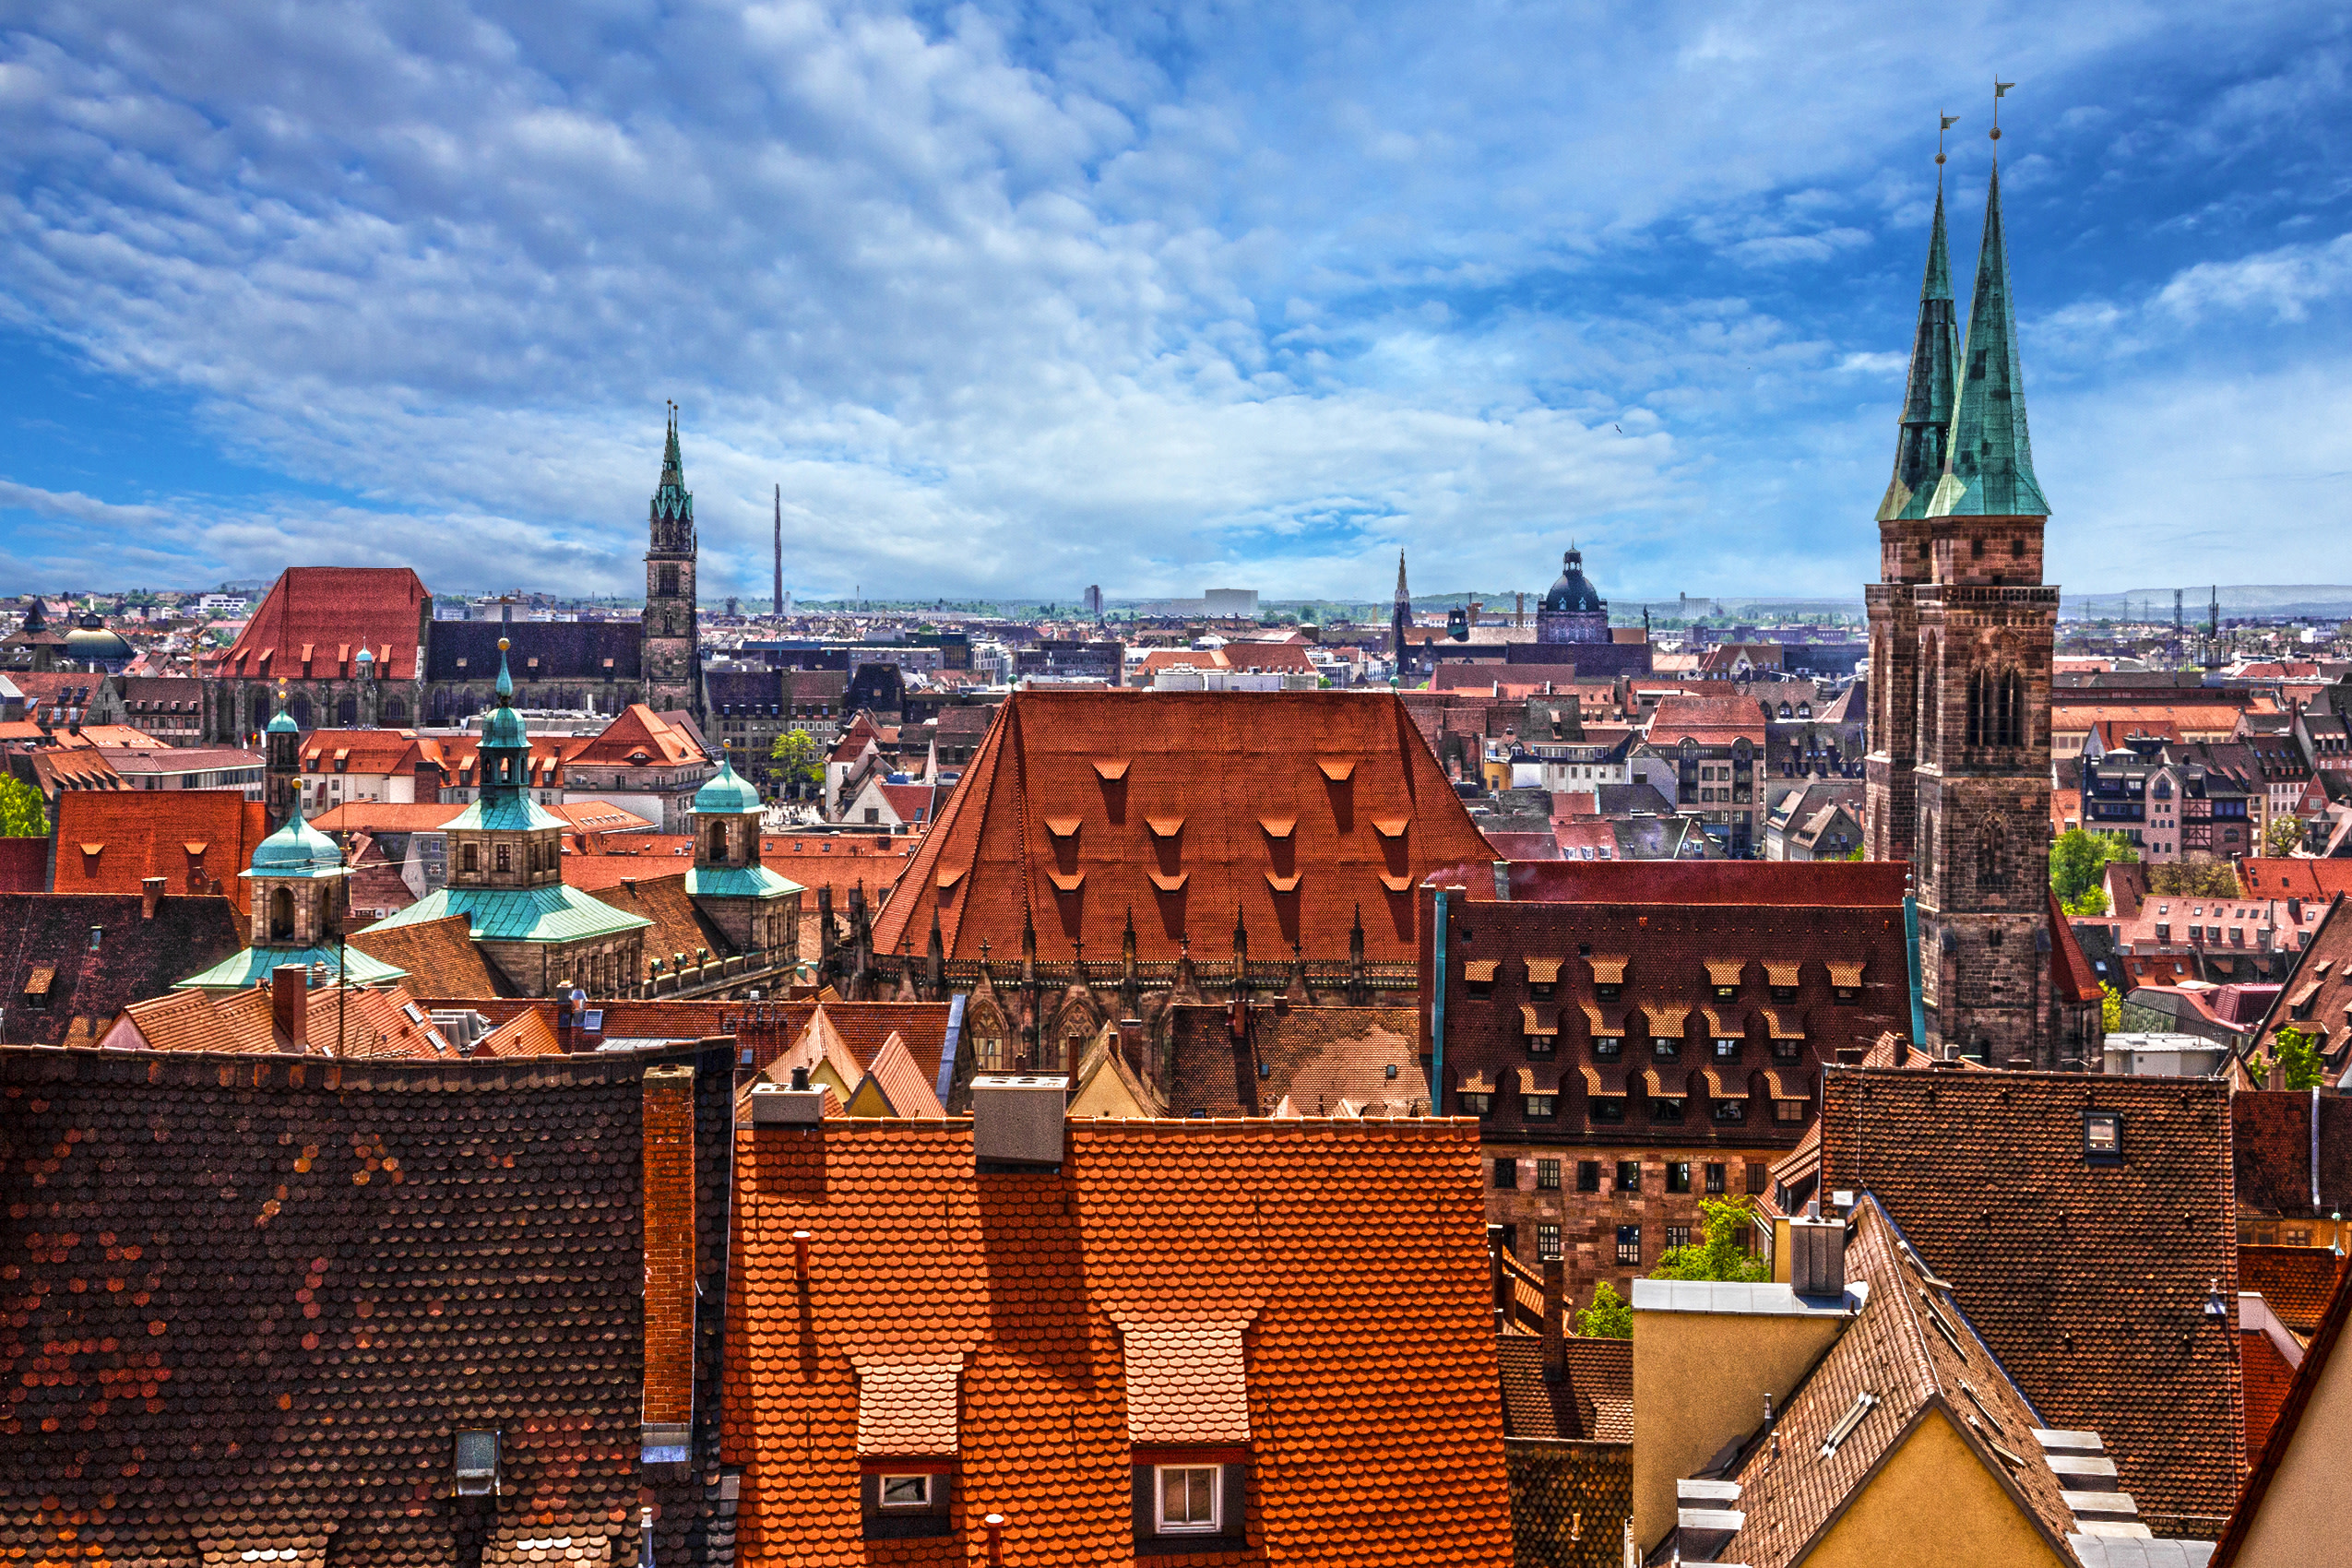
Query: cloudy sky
point(1013, 299)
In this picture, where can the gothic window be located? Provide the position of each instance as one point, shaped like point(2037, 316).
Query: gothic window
point(988, 1039)
point(1975, 727)
point(1989, 848)
point(667, 585)
point(395, 713)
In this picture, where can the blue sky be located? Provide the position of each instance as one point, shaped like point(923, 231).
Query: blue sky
point(1011, 299)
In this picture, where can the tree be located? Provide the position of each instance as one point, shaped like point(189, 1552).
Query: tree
point(2078, 860)
point(2092, 902)
point(2193, 879)
point(2284, 836)
point(2110, 1008)
point(1608, 1317)
point(2300, 1057)
point(21, 816)
point(1720, 1255)
point(795, 760)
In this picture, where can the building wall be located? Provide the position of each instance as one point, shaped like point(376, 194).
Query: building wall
point(1700, 1379)
point(1588, 1222)
point(2307, 1501)
point(1933, 1505)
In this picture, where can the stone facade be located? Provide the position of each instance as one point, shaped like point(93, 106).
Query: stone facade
point(1565, 1201)
point(673, 660)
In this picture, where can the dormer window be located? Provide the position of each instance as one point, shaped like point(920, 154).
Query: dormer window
point(477, 1463)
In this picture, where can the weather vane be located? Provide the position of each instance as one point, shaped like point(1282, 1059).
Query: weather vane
point(1999, 90)
point(1949, 121)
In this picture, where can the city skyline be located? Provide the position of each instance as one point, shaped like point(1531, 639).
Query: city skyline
point(1006, 303)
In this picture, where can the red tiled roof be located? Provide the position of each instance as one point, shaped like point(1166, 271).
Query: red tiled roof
point(2266, 877)
point(1336, 762)
point(1710, 720)
point(679, 925)
point(637, 729)
point(1147, 1225)
point(2296, 1281)
point(1316, 1056)
point(2317, 1359)
point(2065, 1267)
point(2070, 971)
point(387, 816)
point(332, 611)
point(109, 843)
point(1775, 883)
point(362, 751)
point(136, 956)
point(1594, 1403)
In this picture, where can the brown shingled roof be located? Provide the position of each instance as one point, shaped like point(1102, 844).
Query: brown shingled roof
point(2088, 1281)
point(439, 956)
point(2296, 1282)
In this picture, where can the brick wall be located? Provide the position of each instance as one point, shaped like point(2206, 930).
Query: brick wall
point(669, 1245)
point(1589, 1221)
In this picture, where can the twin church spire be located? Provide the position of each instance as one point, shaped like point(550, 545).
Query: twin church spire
point(1963, 450)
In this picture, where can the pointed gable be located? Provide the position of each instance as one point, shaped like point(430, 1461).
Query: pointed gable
point(894, 1086)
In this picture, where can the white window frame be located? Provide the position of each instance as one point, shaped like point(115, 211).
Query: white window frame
point(1162, 1525)
point(882, 1490)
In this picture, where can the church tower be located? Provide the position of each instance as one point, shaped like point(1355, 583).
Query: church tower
point(672, 657)
point(1400, 616)
point(1961, 629)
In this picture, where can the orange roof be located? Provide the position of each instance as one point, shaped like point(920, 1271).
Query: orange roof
point(370, 1023)
point(639, 731)
point(387, 816)
point(109, 843)
point(1164, 1257)
point(1338, 764)
point(333, 610)
point(1710, 720)
point(362, 751)
point(2266, 877)
point(439, 956)
point(525, 1034)
point(2206, 718)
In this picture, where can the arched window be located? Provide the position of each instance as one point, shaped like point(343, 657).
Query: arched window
point(1974, 734)
point(281, 915)
point(347, 712)
point(395, 713)
point(470, 858)
point(718, 840)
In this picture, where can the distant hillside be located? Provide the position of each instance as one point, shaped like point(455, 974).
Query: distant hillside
point(2318, 600)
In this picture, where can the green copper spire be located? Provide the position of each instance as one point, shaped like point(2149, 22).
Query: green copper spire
point(505, 749)
point(1989, 468)
point(1927, 400)
point(672, 501)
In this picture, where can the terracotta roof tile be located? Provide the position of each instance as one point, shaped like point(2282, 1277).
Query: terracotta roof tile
point(191, 838)
point(2296, 1281)
point(439, 956)
point(330, 608)
point(1316, 1056)
point(1028, 1277)
point(1120, 757)
point(909, 1411)
point(1186, 1383)
point(135, 956)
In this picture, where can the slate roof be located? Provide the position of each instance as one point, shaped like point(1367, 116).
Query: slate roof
point(1594, 1403)
point(333, 611)
point(1082, 805)
point(1316, 1056)
point(45, 941)
point(439, 956)
point(566, 650)
point(2295, 1282)
point(325, 1269)
point(191, 838)
point(1791, 1494)
point(1031, 1278)
point(2087, 1281)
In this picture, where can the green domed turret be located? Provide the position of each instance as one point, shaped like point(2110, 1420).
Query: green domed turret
point(726, 792)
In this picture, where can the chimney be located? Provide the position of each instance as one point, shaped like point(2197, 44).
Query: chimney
point(799, 1106)
point(150, 895)
point(668, 1143)
point(290, 1007)
point(1016, 1118)
point(1851, 1055)
point(1131, 1042)
point(1816, 1253)
point(564, 1018)
point(1555, 1308)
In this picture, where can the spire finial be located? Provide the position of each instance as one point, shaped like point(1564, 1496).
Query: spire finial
point(1949, 121)
point(1999, 90)
point(506, 687)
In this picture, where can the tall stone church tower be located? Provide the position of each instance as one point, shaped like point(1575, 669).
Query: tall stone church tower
point(1961, 629)
point(673, 658)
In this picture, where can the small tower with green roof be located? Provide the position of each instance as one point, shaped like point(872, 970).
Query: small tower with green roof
point(506, 877)
point(758, 909)
point(282, 765)
point(295, 893)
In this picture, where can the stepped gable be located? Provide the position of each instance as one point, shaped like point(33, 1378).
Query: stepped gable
point(61, 990)
point(2062, 1264)
point(1083, 805)
point(191, 838)
point(439, 957)
point(1328, 1245)
point(316, 619)
point(326, 1270)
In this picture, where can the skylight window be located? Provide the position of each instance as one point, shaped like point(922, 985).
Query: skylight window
point(1863, 1403)
point(2103, 1136)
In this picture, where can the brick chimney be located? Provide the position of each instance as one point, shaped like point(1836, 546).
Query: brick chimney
point(290, 1007)
point(669, 1135)
point(1555, 1308)
point(150, 895)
